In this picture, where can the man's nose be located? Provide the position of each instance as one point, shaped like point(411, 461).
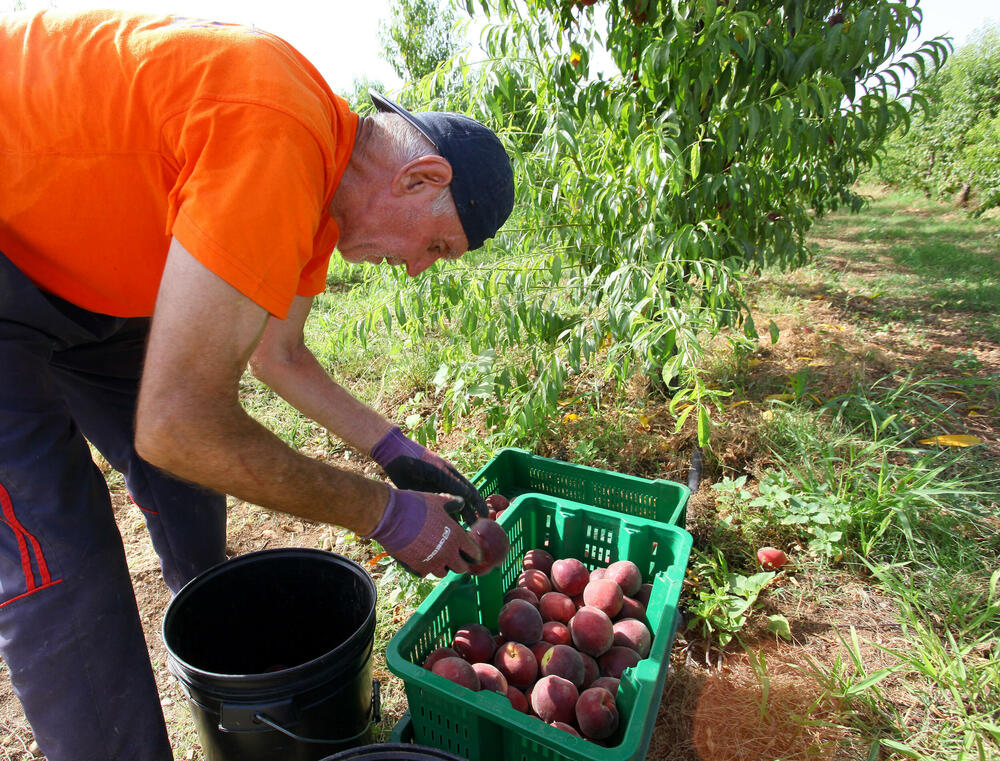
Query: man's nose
point(415, 266)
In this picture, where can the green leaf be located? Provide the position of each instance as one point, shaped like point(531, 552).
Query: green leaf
point(779, 625)
point(899, 747)
point(774, 332)
point(695, 160)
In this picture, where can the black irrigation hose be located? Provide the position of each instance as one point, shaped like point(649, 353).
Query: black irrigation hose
point(694, 473)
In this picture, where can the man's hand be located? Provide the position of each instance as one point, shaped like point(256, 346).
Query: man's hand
point(411, 466)
point(416, 530)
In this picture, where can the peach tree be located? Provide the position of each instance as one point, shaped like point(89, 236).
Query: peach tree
point(665, 152)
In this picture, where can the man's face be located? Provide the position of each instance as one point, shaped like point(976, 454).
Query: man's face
point(406, 232)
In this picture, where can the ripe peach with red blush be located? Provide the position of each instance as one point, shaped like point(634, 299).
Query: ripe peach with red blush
point(553, 698)
point(596, 714)
point(592, 631)
point(517, 663)
point(569, 576)
point(520, 621)
point(459, 671)
point(627, 575)
point(493, 541)
point(604, 594)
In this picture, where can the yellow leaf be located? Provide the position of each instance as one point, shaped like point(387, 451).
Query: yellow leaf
point(569, 417)
point(737, 404)
point(973, 413)
point(804, 359)
point(814, 398)
point(779, 397)
point(767, 414)
point(831, 327)
point(952, 440)
point(644, 421)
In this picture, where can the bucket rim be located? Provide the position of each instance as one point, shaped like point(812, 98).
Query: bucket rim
point(265, 679)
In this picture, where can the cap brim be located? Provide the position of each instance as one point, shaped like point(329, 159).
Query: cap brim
point(382, 103)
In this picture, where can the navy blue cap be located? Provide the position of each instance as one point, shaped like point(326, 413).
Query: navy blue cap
point(482, 180)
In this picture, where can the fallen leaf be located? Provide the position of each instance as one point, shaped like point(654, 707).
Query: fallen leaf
point(644, 420)
point(952, 440)
point(569, 417)
point(779, 397)
point(737, 404)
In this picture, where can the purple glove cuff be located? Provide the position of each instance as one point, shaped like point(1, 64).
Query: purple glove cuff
point(402, 521)
point(394, 444)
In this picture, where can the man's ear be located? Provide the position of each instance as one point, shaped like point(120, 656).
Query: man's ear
point(427, 171)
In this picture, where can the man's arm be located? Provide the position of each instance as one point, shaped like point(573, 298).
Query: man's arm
point(288, 367)
point(190, 422)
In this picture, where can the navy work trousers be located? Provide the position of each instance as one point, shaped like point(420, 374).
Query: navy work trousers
point(69, 623)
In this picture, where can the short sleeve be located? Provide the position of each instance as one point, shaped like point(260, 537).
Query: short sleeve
point(249, 197)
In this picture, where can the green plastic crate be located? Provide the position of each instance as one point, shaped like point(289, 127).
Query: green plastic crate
point(482, 726)
point(513, 472)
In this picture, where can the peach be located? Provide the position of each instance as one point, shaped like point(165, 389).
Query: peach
point(438, 654)
point(598, 573)
point(771, 559)
point(578, 600)
point(569, 576)
point(631, 608)
point(642, 596)
point(459, 671)
point(632, 633)
point(604, 594)
point(517, 663)
point(564, 727)
point(521, 593)
point(520, 621)
point(494, 543)
point(591, 670)
point(596, 713)
point(556, 633)
point(592, 631)
point(534, 580)
point(540, 648)
point(626, 574)
point(537, 560)
point(490, 678)
point(555, 606)
point(608, 683)
point(554, 699)
point(474, 642)
point(497, 502)
point(616, 660)
point(518, 700)
point(564, 661)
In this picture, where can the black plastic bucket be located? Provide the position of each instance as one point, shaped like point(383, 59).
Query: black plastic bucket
point(394, 752)
point(273, 649)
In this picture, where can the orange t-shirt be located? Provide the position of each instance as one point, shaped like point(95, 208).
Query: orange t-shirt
point(119, 130)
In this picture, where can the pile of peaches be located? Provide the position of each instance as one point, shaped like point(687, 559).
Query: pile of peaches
point(563, 638)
